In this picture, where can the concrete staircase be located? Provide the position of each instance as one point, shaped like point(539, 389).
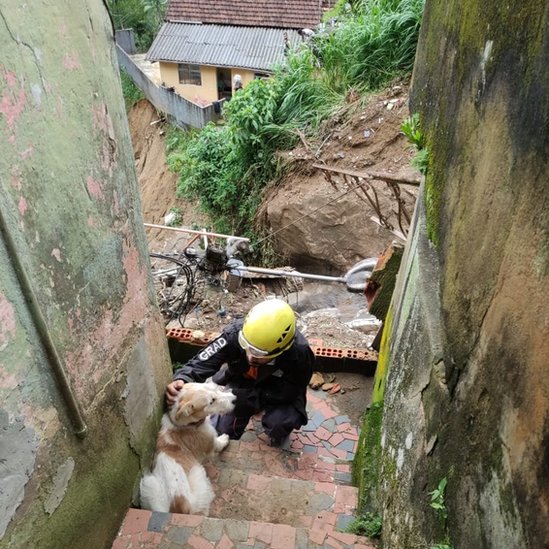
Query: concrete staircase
point(298, 496)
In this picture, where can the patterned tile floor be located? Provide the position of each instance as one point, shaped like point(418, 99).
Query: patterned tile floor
point(297, 496)
point(322, 450)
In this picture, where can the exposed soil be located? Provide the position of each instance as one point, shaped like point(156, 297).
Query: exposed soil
point(368, 138)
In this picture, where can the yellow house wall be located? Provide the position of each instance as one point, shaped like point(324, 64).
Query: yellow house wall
point(208, 90)
point(247, 76)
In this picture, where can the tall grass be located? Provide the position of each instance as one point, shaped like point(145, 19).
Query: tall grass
point(227, 167)
point(372, 48)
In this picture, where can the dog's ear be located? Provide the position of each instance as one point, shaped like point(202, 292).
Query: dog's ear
point(192, 406)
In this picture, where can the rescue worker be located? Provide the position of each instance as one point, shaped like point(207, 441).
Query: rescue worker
point(266, 362)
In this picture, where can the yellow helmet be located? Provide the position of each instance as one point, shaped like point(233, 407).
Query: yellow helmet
point(268, 329)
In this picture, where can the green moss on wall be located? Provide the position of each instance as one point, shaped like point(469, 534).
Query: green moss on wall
point(383, 359)
point(366, 465)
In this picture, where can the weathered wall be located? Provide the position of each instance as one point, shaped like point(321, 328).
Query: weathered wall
point(71, 217)
point(207, 92)
point(183, 112)
point(467, 390)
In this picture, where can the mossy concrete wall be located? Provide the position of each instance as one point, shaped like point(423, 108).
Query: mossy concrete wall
point(467, 390)
point(69, 200)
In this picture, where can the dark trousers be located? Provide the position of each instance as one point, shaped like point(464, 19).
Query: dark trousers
point(278, 421)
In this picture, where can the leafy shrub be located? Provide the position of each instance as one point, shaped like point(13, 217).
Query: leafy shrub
point(227, 167)
point(369, 525)
point(372, 48)
point(411, 128)
point(143, 16)
point(437, 499)
point(132, 94)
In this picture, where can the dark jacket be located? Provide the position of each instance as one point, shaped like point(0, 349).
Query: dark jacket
point(282, 381)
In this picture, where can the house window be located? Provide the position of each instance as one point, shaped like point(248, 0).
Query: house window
point(190, 74)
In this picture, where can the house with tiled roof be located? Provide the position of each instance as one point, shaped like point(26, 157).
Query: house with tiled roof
point(204, 44)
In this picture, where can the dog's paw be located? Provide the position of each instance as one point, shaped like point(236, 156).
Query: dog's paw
point(222, 442)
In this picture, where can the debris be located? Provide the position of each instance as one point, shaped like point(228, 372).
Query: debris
point(335, 389)
point(316, 381)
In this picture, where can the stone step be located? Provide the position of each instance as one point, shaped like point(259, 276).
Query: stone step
point(320, 451)
point(249, 496)
point(150, 530)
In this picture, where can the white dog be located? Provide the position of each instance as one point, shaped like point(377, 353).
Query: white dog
point(178, 482)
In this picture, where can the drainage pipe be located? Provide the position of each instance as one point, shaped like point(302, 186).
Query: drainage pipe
point(73, 408)
point(192, 231)
point(278, 272)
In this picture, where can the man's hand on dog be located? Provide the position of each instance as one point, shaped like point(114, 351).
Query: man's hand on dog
point(172, 390)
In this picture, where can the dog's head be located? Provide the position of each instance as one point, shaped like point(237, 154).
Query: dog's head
point(196, 401)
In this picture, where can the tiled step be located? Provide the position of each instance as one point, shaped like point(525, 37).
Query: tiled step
point(146, 530)
point(320, 451)
point(299, 503)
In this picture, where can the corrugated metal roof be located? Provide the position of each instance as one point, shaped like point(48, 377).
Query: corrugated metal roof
point(293, 14)
point(254, 48)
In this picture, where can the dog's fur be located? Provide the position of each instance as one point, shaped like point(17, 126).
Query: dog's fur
point(178, 482)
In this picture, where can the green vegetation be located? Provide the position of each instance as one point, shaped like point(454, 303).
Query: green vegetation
point(227, 167)
point(177, 217)
point(437, 499)
point(367, 462)
point(366, 525)
point(411, 128)
point(132, 94)
point(438, 504)
point(372, 46)
point(143, 16)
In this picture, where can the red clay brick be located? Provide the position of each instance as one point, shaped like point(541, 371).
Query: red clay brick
point(225, 543)
point(349, 539)
point(305, 521)
point(325, 487)
point(323, 434)
point(333, 543)
point(261, 531)
point(136, 521)
point(257, 482)
point(340, 454)
point(283, 536)
point(199, 543)
point(335, 439)
point(296, 444)
point(121, 542)
point(322, 476)
point(329, 413)
point(346, 499)
point(327, 518)
point(317, 536)
point(186, 520)
point(325, 466)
